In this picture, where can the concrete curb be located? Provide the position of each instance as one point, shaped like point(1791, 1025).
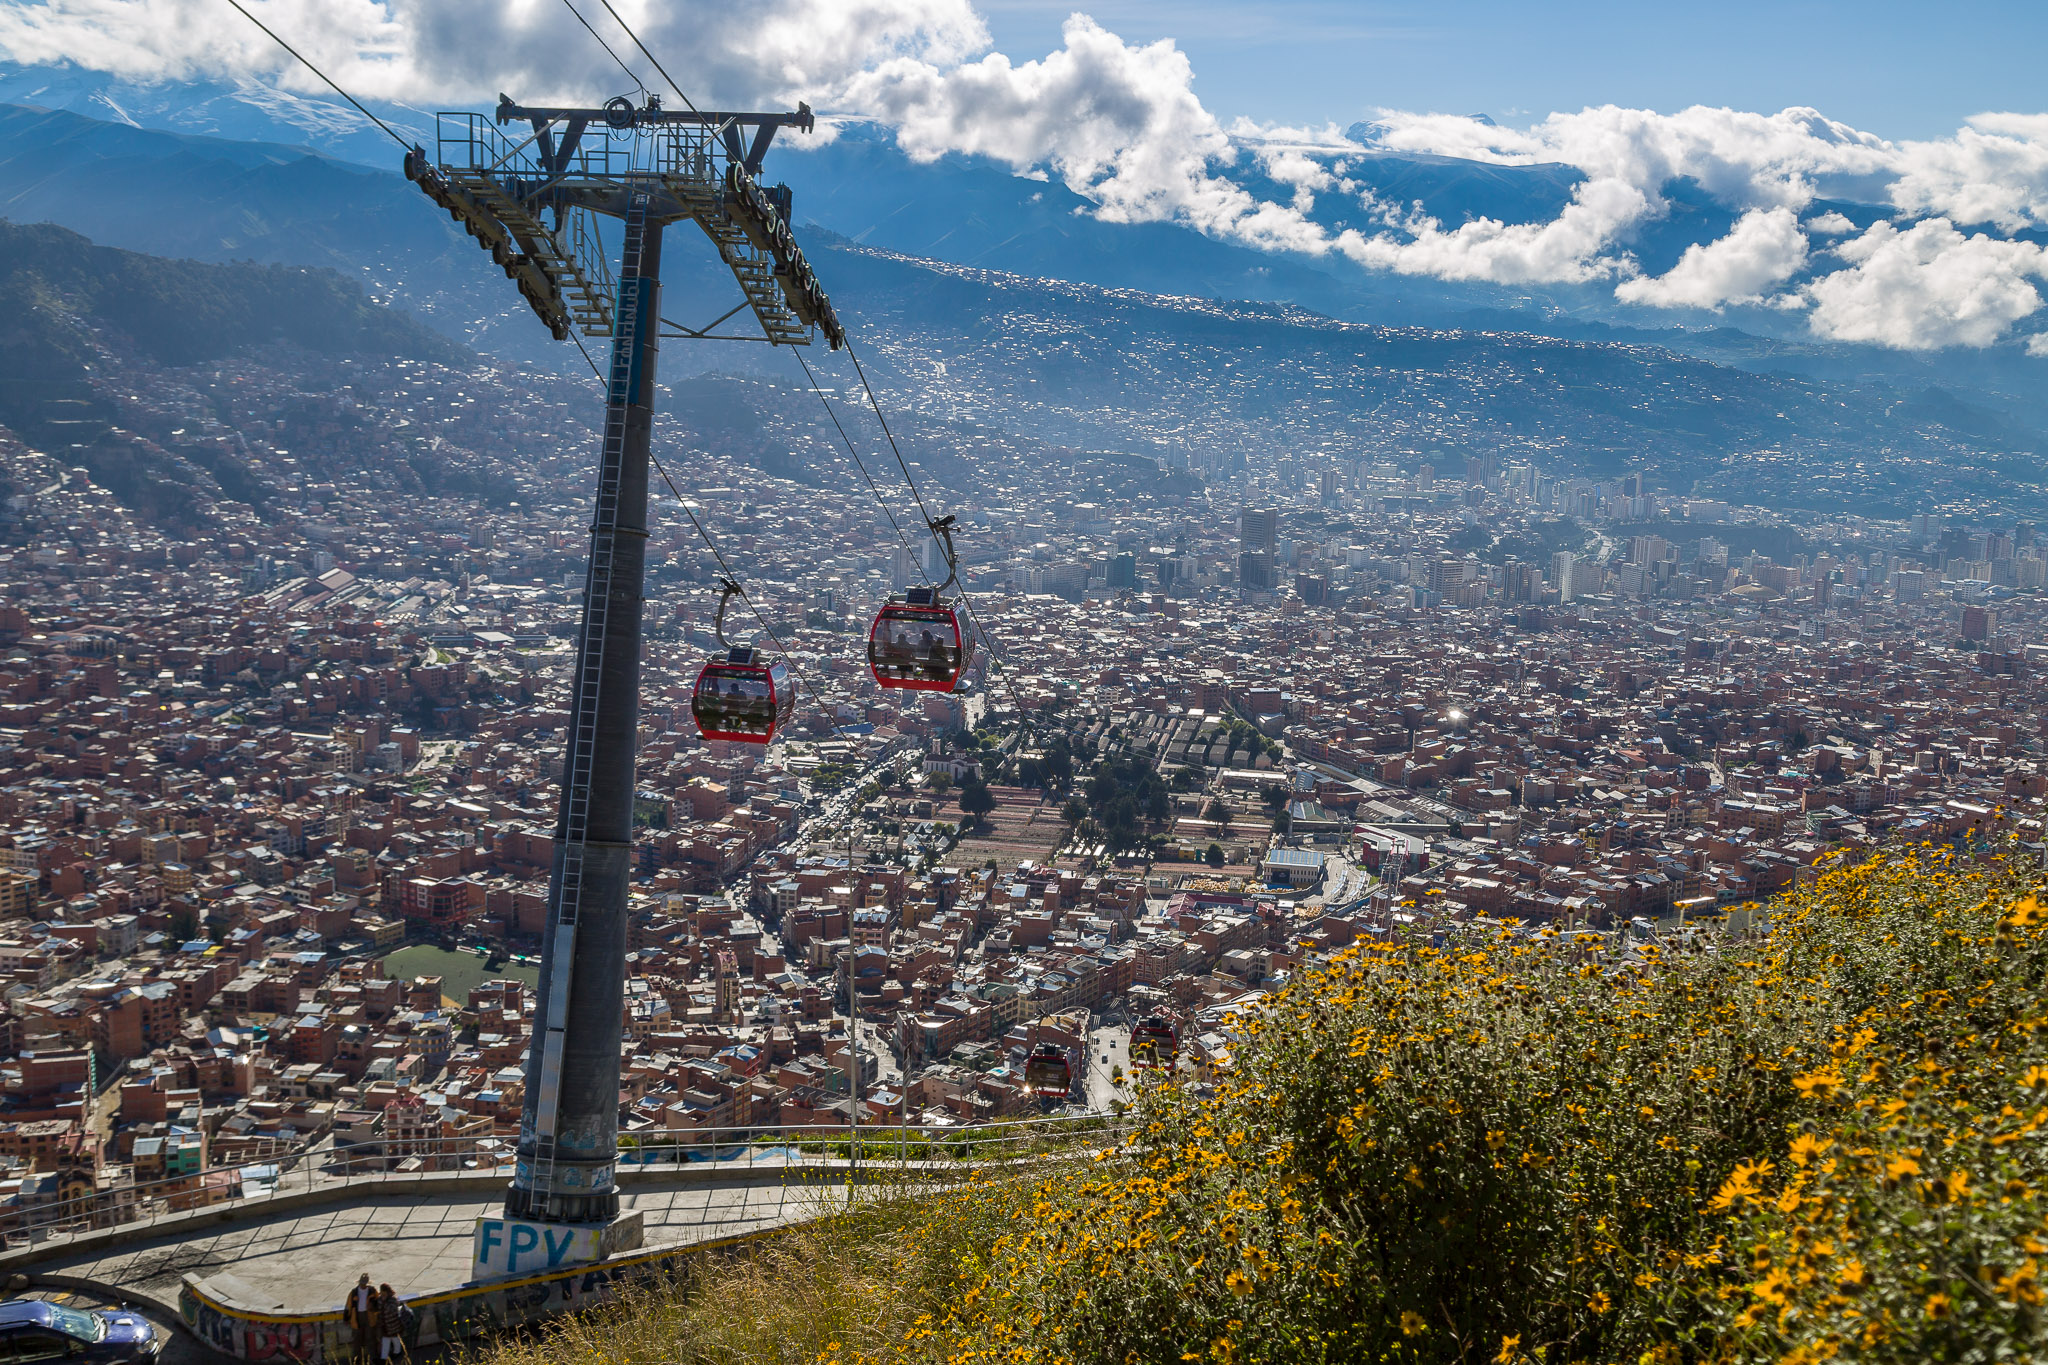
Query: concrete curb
point(227, 1327)
point(78, 1284)
point(475, 1184)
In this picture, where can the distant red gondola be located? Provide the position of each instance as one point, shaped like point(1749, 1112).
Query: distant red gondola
point(743, 696)
point(916, 642)
point(1047, 1072)
point(1154, 1042)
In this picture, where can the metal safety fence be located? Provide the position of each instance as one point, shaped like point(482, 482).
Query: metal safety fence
point(50, 1210)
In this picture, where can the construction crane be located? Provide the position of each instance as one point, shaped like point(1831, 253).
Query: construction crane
point(533, 186)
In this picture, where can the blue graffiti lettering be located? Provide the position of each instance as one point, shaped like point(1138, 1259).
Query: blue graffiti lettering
point(488, 1234)
point(524, 1238)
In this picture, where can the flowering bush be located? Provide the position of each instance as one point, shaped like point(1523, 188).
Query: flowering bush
point(1827, 1142)
point(1818, 1143)
point(1904, 1219)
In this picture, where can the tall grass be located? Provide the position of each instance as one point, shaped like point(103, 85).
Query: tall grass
point(854, 1280)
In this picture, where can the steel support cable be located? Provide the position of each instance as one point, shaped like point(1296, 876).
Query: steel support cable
point(875, 403)
point(637, 82)
point(689, 510)
point(687, 102)
point(995, 655)
point(388, 132)
point(883, 503)
point(861, 465)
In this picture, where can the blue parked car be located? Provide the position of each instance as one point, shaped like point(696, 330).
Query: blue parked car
point(35, 1329)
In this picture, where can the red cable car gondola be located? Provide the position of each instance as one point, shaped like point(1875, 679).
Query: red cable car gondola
point(1154, 1042)
point(1046, 1071)
point(742, 696)
point(916, 641)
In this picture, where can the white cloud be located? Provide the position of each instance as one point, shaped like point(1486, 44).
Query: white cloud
point(1289, 166)
point(1744, 159)
point(1763, 164)
point(1926, 287)
point(469, 50)
point(1994, 171)
point(1763, 249)
point(1565, 250)
point(1120, 124)
point(2037, 344)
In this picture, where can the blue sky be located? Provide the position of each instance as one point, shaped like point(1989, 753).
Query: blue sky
point(1902, 70)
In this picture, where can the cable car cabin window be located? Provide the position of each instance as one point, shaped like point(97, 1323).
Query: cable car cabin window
point(916, 647)
point(1046, 1071)
point(742, 698)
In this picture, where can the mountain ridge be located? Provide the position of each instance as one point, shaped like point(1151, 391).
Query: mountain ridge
point(1165, 347)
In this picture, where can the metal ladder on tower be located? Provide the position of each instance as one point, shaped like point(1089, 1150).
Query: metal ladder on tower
point(578, 770)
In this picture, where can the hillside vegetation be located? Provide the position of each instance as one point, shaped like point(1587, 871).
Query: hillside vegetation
point(1824, 1143)
point(59, 293)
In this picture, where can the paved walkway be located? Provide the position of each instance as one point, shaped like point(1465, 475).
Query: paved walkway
point(305, 1261)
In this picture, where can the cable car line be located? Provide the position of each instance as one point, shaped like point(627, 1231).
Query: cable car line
point(728, 577)
point(687, 102)
point(875, 403)
point(690, 511)
point(966, 600)
point(861, 465)
point(637, 82)
point(324, 76)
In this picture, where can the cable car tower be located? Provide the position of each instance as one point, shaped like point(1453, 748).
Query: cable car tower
point(534, 186)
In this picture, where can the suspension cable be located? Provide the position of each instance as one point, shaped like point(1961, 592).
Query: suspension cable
point(875, 403)
point(994, 654)
point(687, 103)
point(324, 76)
point(690, 511)
point(860, 464)
point(638, 83)
point(966, 601)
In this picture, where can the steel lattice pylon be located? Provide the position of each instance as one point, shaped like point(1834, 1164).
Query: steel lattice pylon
point(534, 204)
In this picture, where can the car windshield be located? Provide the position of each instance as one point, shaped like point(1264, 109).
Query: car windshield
point(71, 1322)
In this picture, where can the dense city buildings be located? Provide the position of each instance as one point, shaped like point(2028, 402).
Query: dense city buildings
point(278, 764)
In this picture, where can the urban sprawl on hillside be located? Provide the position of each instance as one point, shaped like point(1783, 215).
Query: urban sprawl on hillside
point(278, 766)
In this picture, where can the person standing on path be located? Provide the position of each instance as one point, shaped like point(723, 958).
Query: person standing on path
point(390, 1324)
point(359, 1311)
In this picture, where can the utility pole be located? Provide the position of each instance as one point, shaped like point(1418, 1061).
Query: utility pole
point(646, 167)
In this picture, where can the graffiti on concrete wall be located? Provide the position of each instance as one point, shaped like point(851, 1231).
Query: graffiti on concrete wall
point(219, 1330)
point(303, 1341)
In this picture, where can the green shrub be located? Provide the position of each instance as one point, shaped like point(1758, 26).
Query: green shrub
point(1513, 1149)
